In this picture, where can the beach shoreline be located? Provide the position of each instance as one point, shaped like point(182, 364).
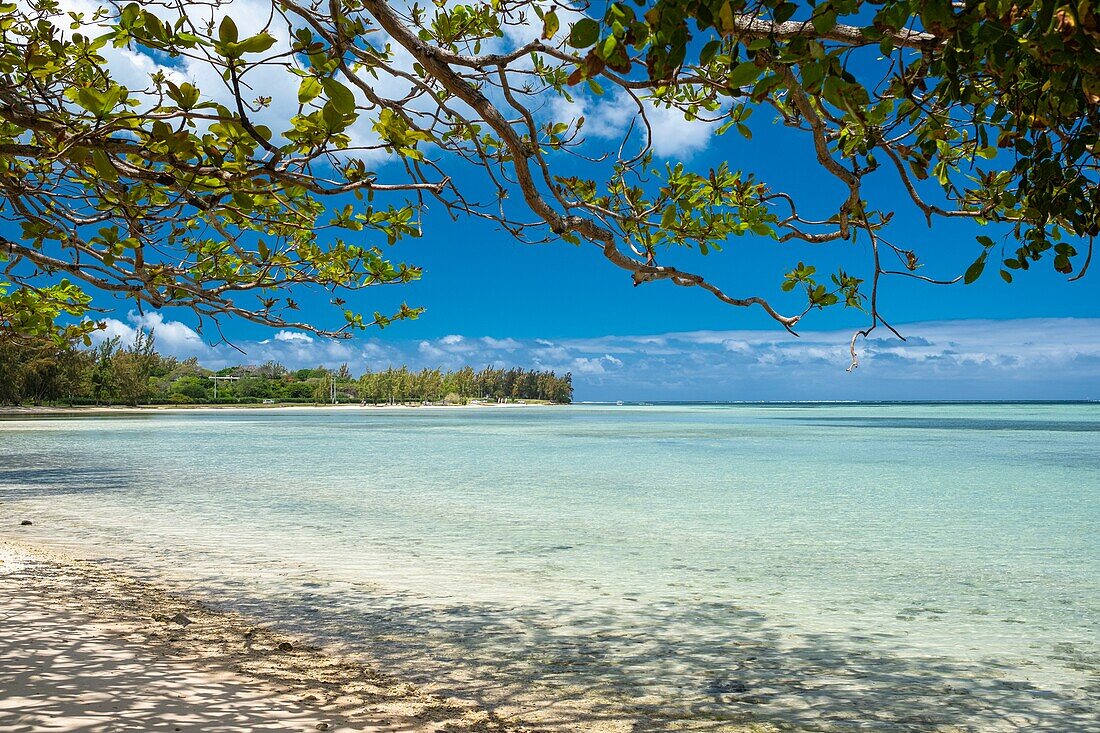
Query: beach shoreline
point(83, 647)
point(101, 410)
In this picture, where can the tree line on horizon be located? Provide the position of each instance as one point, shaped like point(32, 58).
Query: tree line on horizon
point(109, 373)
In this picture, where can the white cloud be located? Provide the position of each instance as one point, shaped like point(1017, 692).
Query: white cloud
point(547, 352)
point(504, 344)
point(609, 117)
point(604, 117)
point(432, 351)
point(674, 136)
point(293, 336)
point(736, 345)
point(599, 365)
point(172, 337)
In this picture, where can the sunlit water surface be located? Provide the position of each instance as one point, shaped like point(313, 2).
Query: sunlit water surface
point(835, 567)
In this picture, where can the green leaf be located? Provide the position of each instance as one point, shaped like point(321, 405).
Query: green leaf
point(256, 44)
point(743, 73)
point(341, 97)
point(975, 270)
point(668, 218)
point(824, 22)
point(103, 165)
point(129, 14)
point(309, 89)
point(185, 95)
point(607, 48)
point(584, 33)
point(550, 25)
point(726, 23)
point(227, 31)
point(334, 120)
point(708, 52)
point(92, 100)
point(784, 12)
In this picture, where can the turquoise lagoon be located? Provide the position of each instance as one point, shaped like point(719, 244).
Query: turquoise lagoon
point(828, 567)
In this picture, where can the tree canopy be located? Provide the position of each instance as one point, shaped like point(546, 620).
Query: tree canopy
point(222, 156)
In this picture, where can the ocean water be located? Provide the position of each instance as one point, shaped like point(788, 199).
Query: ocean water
point(826, 567)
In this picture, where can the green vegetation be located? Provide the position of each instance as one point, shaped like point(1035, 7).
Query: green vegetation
point(44, 373)
point(323, 131)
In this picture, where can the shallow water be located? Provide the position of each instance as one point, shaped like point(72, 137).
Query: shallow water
point(883, 567)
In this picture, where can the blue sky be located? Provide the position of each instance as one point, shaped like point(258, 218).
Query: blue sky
point(490, 299)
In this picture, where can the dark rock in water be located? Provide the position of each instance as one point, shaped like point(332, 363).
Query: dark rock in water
point(322, 726)
point(285, 646)
point(727, 687)
point(180, 619)
point(26, 523)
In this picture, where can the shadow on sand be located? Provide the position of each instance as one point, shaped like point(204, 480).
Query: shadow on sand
point(688, 667)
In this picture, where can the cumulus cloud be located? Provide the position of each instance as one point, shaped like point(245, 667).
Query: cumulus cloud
point(674, 136)
point(600, 365)
point(172, 337)
point(505, 344)
point(293, 336)
point(610, 117)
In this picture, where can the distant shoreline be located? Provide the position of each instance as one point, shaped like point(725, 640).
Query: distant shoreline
point(10, 411)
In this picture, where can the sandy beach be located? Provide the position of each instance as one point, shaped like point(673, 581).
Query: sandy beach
point(85, 649)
